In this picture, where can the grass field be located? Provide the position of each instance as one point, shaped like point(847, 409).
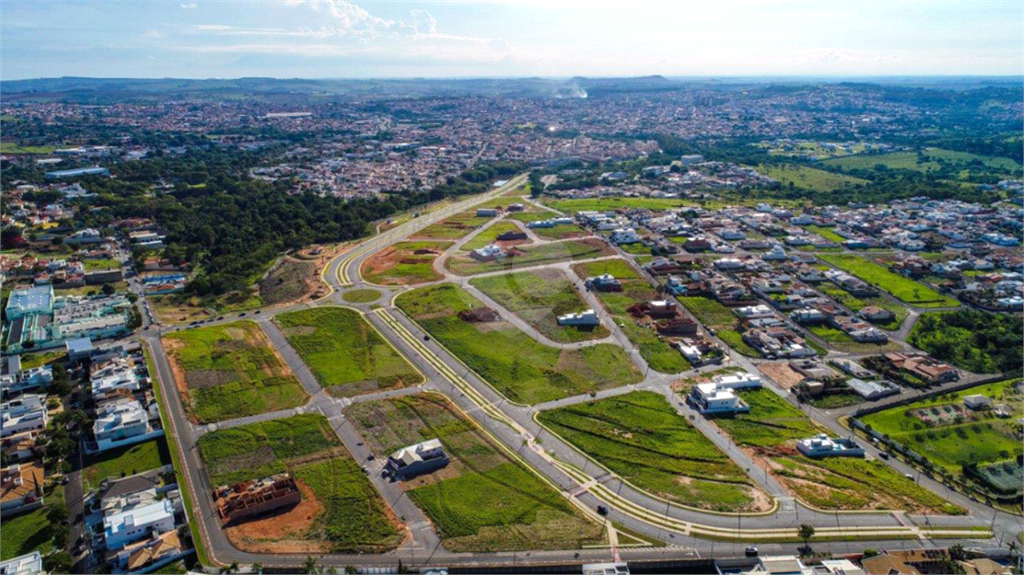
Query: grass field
point(904, 289)
point(519, 367)
point(230, 370)
point(539, 297)
point(490, 235)
point(30, 360)
point(534, 255)
point(709, 312)
point(772, 421)
point(262, 449)
point(94, 264)
point(640, 437)
point(354, 516)
point(12, 148)
point(483, 500)
point(29, 532)
point(617, 268)
point(345, 353)
point(126, 461)
point(909, 161)
point(361, 296)
point(456, 227)
point(951, 442)
point(827, 233)
point(398, 264)
point(807, 178)
point(734, 339)
point(604, 204)
point(560, 232)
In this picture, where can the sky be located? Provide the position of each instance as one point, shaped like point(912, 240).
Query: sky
point(508, 38)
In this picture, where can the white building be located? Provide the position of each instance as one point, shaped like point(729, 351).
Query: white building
point(582, 319)
point(739, 381)
point(977, 401)
point(824, 446)
point(121, 423)
point(488, 252)
point(31, 564)
point(754, 311)
point(26, 413)
point(713, 398)
point(120, 529)
point(625, 236)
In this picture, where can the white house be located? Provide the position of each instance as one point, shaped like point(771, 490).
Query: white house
point(488, 252)
point(739, 381)
point(625, 236)
point(26, 413)
point(824, 446)
point(754, 311)
point(582, 319)
point(710, 398)
point(777, 253)
point(120, 529)
point(121, 423)
point(31, 564)
point(977, 401)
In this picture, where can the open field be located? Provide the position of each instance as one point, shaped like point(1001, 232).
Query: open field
point(807, 178)
point(290, 280)
point(640, 437)
point(709, 312)
point(404, 263)
point(909, 161)
point(12, 148)
point(618, 268)
point(539, 297)
point(769, 431)
point(827, 233)
point(230, 370)
point(340, 508)
point(533, 255)
point(482, 500)
point(30, 531)
point(490, 235)
point(519, 367)
point(950, 435)
point(261, 449)
point(772, 421)
point(456, 227)
point(603, 204)
point(175, 309)
point(361, 296)
point(974, 340)
point(560, 232)
point(904, 289)
point(345, 353)
point(126, 461)
point(97, 264)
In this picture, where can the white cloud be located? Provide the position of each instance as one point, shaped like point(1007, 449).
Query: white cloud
point(189, 6)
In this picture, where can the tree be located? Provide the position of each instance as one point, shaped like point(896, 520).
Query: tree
point(869, 552)
point(957, 553)
point(258, 567)
point(60, 562)
point(57, 513)
point(806, 532)
point(309, 565)
point(108, 289)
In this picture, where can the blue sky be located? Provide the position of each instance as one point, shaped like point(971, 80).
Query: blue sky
point(500, 38)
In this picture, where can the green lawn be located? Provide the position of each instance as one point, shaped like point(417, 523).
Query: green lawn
point(398, 264)
point(483, 500)
point(734, 339)
point(262, 449)
point(92, 265)
point(13, 148)
point(957, 442)
point(355, 518)
point(490, 235)
point(807, 178)
point(29, 532)
point(709, 312)
point(519, 367)
point(37, 359)
point(230, 371)
point(361, 296)
point(904, 289)
point(533, 255)
point(829, 334)
point(539, 297)
point(640, 437)
point(561, 232)
point(455, 227)
point(617, 268)
point(909, 161)
point(772, 421)
point(604, 204)
point(827, 233)
point(345, 353)
point(126, 461)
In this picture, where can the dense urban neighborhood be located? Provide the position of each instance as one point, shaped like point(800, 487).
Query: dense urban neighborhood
point(451, 326)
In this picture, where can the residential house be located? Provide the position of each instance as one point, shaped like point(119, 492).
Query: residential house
point(423, 457)
point(586, 318)
point(124, 528)
point(21, 487)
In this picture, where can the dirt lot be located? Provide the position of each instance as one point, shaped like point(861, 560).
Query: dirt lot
point(291, 280)
point(281, 532)
point(781, 374)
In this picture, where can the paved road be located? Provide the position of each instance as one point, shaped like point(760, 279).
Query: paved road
point(513, 426)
